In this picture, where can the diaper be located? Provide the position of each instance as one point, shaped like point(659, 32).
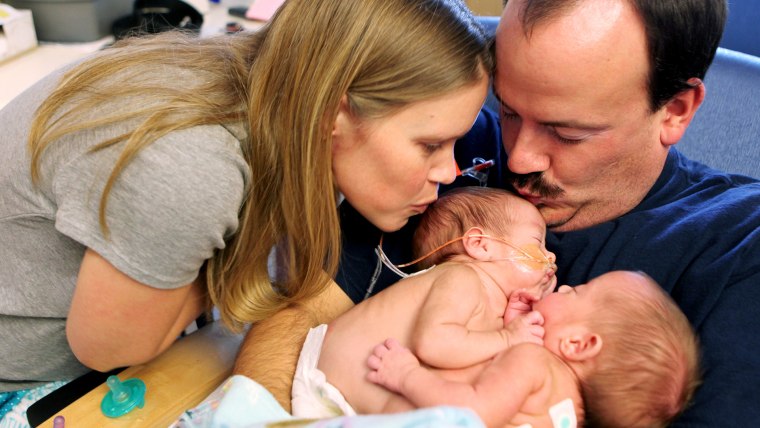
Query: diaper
point(312, 395)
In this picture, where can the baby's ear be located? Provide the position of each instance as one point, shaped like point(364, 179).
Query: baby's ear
point(580, 347)
point(475, 244)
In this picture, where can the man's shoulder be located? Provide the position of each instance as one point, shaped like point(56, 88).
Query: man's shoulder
point(695, 192)
point(722, 199)
point(692, 177)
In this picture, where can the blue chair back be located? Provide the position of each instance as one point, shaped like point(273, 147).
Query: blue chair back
point(725, 132)
point(742, 31)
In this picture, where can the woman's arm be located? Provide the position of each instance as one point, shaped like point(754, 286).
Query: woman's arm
point(271, 348)
point(115, 321)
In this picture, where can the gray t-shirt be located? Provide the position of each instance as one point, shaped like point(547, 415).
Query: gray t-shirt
point(170, 209)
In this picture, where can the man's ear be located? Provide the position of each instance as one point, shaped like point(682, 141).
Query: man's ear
point(475, 244)
point(680, 110)
point(580, 347)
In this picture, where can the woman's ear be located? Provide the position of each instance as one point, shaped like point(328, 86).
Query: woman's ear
point(344, 119)
point(580, 347)
point(680, 110)
point(475, 244)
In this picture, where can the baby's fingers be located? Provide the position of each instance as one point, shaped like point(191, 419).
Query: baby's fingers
point(529, 297)
point(537, 334)
point(534, 318)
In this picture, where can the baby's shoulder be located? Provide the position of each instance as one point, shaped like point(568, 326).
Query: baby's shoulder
point(557, 391)
point(454, 272)
point(532, 352)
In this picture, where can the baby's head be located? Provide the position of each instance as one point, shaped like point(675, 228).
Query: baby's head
point(459, 210)
point(494, 212)
point(488, 225)
point(635, 352)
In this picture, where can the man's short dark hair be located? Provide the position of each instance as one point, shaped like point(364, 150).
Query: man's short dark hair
point(682, 37)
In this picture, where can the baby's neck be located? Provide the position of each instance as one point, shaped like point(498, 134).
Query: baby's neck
point(577, 374)
point(494, 284)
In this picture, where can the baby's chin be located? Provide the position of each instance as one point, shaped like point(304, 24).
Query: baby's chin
point(547, 287)
point(552, 286)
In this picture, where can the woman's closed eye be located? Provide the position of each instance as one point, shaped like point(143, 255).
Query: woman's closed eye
point(432, 147)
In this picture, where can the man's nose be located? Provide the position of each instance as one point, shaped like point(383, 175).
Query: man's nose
point(526, 153)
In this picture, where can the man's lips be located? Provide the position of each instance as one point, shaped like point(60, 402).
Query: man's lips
point(533, 199)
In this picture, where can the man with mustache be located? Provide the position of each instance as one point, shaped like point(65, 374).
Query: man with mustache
point(594, 95)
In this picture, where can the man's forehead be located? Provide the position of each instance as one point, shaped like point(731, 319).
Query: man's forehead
point(531, 13)
point(559, 65)
point(592, 27)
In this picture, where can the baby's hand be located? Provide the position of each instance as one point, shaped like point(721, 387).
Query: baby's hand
point(520, 303)
point(390, 364)
point(526, 328)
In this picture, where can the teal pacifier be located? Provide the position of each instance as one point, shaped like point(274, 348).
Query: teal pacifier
point(122, 397)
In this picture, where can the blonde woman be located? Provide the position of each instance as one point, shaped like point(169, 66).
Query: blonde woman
point(152, 180)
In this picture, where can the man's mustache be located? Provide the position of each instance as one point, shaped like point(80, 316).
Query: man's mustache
point(535, 183)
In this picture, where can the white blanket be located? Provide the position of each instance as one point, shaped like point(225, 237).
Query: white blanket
point(240, 402)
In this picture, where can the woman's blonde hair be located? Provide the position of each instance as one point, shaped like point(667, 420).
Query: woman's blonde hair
point(284, 83)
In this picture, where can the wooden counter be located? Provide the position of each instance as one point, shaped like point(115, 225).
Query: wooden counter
point(177, 380)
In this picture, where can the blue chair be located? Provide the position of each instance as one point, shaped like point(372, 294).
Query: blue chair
point(742, 31)
point(725, 133)
point(726, 129)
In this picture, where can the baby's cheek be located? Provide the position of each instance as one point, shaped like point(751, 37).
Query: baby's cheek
point(535, 283)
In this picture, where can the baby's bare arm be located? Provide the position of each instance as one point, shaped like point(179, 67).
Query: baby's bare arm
point(452, 330)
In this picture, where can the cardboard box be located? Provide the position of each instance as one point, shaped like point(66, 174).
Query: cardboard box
point(485, 7)
point(74, 20)
point(16, 32)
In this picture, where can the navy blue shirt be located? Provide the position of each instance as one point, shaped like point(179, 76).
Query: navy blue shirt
point(697, 233)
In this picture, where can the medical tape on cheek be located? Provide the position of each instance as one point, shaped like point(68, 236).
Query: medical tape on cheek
point(532, 259)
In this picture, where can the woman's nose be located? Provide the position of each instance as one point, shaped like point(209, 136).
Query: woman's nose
point(445, 170)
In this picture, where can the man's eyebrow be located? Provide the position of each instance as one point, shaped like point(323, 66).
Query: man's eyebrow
point(571, 124)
